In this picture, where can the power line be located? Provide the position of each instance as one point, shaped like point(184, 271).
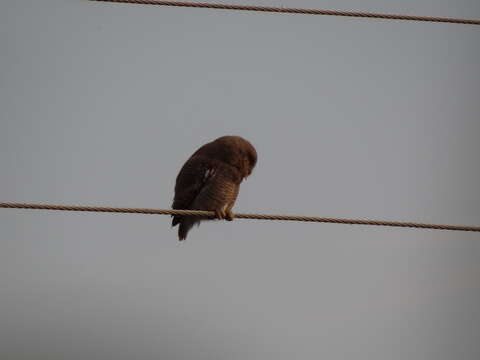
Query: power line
point(299, 11)
point(211, 214)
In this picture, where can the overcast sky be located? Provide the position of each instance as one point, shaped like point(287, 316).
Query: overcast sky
point(101, 104)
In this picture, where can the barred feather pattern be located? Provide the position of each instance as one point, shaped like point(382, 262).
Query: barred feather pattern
point(218, 193)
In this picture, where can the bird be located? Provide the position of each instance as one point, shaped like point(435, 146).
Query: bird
point(210, 180)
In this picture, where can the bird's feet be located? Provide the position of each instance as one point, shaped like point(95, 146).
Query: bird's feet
point(221, 214)
point(228, 215)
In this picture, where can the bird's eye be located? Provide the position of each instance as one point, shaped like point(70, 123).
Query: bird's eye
point(252, 160)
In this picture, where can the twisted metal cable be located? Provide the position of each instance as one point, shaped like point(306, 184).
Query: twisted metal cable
point(14, 205)
point(298, 11)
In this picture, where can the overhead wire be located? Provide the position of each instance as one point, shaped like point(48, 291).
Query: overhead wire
point(289, 10)
point(211, 214)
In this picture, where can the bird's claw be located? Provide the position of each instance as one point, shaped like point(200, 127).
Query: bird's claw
point(221, 214)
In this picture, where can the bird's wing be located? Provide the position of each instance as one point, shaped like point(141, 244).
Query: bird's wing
point(193, 176)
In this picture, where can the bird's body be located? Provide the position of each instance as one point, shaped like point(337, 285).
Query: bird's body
point(210, 180)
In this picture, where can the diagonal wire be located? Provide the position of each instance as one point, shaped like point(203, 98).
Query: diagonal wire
point(298, 11)
point(15, 205)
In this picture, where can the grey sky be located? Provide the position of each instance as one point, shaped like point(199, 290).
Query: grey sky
point(102, 103)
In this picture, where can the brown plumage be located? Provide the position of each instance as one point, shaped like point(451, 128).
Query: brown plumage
point(210, 180)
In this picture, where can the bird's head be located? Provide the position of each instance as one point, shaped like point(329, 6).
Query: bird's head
point(237, 152)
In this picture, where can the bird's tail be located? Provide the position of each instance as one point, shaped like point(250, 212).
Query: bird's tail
point(185, 224)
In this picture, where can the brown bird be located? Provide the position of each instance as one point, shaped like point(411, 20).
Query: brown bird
point(210, 180)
